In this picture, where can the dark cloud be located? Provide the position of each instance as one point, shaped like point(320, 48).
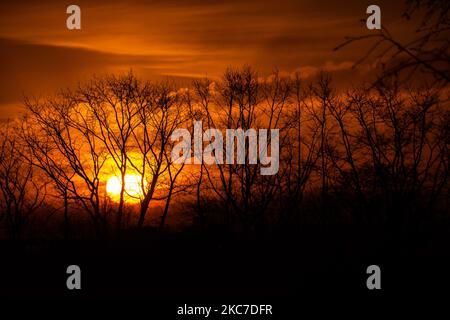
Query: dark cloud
point(177, 38)
point(37, 69)
point(29, 67)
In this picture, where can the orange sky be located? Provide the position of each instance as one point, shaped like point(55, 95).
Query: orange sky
point(178, 38)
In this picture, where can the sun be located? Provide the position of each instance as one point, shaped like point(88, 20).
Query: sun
point(133, 190)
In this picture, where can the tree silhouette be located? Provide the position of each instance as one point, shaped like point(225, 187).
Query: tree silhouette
point(371, 154)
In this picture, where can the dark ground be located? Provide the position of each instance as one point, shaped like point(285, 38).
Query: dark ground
point(158, 272)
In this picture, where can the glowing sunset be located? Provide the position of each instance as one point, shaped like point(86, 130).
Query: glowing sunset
point(133, 190)
point(223, 159)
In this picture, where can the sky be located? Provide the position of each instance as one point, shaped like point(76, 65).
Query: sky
point(180, 39)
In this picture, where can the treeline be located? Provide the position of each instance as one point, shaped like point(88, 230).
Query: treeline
point(377, 154)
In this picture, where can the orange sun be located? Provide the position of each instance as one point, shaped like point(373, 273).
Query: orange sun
point(133, 190)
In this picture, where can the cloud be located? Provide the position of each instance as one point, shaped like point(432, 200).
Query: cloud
point(329, 66)
point(36, 69)
point(182, 39)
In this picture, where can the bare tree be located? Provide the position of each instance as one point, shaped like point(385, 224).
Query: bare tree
point(428, 52)
point(64, 138)
point(301, 147)
point(241, 101)
point(160, 112)
point(113, 102)
point(43, 155)
point(22, 192)
point(377, 153)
